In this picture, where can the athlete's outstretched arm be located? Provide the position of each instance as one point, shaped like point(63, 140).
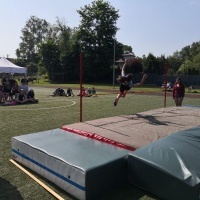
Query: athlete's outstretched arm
point(123, 68)
point(145, 76)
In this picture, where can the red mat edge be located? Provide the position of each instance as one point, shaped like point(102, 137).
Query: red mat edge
point(98, 137)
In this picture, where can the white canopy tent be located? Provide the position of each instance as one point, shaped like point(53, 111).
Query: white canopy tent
point(8, 67)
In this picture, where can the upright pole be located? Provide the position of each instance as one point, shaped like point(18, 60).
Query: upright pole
point(114, 64)
point(166, 80)
point(81, 84)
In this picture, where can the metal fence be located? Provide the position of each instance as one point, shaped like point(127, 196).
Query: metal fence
point(158, 80)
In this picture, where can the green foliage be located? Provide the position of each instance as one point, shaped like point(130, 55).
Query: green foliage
point(97, 36)
point(68, 51)
point(187, 61)
point(35, 32)
point(196, 61)
point(19, 62)
point(153, 64)
point(32, 69)
point(55, 49)
point(127, 49)
point(174, 62)
point(49, 53)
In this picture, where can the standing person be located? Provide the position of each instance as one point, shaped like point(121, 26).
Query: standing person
point(178, 92)
point(126, 83)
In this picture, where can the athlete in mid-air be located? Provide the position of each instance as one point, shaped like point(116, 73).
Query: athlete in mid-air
point(125, 81)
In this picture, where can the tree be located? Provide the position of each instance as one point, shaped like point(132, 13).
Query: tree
point(185, 52)
point(32, 69)
point(127, 49)
point(97, 37)
point(35, 32)
point(65, 43)
point(174, 61)
point(194, 49)
point(49, 56)
point(152, 64)
point(196, 61)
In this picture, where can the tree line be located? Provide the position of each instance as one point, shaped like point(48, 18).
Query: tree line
point(55, 49)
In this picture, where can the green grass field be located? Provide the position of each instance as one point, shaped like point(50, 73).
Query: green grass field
point(54, 112)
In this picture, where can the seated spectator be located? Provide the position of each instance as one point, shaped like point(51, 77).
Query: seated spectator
point(2, 96)
point(94, 92)
point(61, 92)
point(3, 80)
point(83, 92)
point(168, 86)
point(58, 92)
point(11, 81)
point(15, 90)
point(7, 91)
point(31, 96)
point(24, 86)
point(190, 89)
point(69, 92)
point(88, 93)
point(21, 97)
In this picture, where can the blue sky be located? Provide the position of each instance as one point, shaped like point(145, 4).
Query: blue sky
point(160, 27)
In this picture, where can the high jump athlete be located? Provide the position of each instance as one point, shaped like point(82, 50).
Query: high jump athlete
point(126, 82)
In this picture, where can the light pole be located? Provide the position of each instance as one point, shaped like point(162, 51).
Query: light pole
point(166, 74)
point(81, 84)
point(114, 63)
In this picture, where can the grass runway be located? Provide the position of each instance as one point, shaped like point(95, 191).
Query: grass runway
point(54, 112)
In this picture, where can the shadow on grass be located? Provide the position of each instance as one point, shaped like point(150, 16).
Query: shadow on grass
point(8, 191)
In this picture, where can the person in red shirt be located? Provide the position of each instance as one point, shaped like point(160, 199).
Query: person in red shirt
point(178, 92)
point(83, 92)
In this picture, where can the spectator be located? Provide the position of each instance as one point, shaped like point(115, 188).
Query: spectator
point(7, 90)
point(83, 92)
point(31, 96)
point(94, 92)
point(58, 92)
point(15, 89)
point(21, 97)
point(178, 92)
point(69, 92)
point(88, 93)
point(2, 96)
point(3, 80)
point(23, 86)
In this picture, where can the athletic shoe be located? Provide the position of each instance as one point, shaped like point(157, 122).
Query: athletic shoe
point(115, 103)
